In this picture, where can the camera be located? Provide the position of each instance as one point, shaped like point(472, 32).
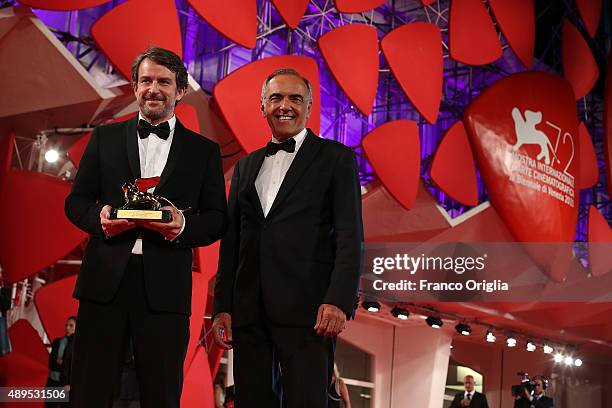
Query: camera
point(526, 384)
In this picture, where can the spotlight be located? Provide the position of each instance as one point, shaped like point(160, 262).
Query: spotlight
point(491, 337)
point(511, 342)
point(434, 322)
point(51, 155)
point(372, 307)
point(530, 346)
point(577, 362)
point(568, 361)
point(400, 313)
point(548, 349)
point(463, 329)
point(558, 358)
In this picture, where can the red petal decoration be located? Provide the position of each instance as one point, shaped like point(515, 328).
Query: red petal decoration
point(414, 54)
point(236, 19)
point(590, 11)
point(393, 150)
point(453, 168)
point(62, 5)
point(26, 365)
point(123, 33)
point(291, 11)
point(33, 217)
point(238, 96)
point(589, 173)
point(600, 236)
point(579, 66)
point(473, 39)
point(517, 22)
point(55, 303)
point(356, 6)
point(351, 53)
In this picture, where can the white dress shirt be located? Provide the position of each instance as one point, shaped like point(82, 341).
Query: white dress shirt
point(273, 172)
point(471, 394)
point(153, 153)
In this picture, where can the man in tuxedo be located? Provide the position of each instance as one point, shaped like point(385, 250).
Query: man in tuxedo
point(289, 263)
point(470, 397)
point(537, 398)
point(135, 279)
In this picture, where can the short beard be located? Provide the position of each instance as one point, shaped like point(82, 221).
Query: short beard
point(154, 115)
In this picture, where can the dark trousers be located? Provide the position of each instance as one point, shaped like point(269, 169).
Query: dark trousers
point(100, 347)
point(288, 367)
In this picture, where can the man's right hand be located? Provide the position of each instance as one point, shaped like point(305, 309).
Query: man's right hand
point(222, 330)
point(113, 227)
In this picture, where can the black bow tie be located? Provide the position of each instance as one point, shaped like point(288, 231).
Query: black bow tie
point(273, 148)
point(145, 129)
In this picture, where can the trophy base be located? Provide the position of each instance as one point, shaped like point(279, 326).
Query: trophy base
point(141, 215)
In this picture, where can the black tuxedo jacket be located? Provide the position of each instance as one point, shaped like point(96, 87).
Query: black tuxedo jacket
point(64, 368)
point(479, 400)
point(306, 252)
point(53, 365)
point(192, 177)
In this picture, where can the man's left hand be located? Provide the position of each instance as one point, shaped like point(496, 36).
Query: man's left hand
point(331, 320)
point(169, 230)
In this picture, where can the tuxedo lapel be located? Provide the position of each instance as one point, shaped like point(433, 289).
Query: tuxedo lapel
point(131, 139)
point(178, 140)
point(253, 167)
point(303, 158)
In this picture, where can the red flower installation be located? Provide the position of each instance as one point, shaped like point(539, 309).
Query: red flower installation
point(116, 34)
point(414, 54)
point(473, 39)
point(351, 53)
point(394, 151)
point(579, 66)
point(453, 169)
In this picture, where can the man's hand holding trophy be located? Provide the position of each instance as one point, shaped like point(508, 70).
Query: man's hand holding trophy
point(142, 209)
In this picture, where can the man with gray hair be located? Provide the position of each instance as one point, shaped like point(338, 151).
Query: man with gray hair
point(134, 284)
point(470, 397)
point(289, 263)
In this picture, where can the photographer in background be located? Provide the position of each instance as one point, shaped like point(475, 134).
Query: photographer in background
point(537, 398)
